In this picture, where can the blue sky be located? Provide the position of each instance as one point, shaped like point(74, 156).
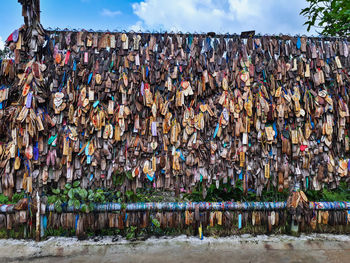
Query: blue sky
point(222, 16)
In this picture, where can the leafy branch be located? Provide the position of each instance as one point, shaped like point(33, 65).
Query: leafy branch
point(331, 16)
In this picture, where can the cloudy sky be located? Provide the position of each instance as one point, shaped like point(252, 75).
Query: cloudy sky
point(221, 16)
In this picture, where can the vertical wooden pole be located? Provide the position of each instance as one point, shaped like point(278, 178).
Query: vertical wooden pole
point(37, 232)
point(38, 9)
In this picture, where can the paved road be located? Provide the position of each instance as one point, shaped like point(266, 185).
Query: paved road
point(312, 248)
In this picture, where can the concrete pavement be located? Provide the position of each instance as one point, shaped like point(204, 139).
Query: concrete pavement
point(246, 248)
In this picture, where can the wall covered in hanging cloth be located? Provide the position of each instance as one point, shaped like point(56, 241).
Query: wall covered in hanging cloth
point(172, 110)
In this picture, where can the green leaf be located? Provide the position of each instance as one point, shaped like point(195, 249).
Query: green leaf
point(68, 186)
point(71, 193)
point(76, 184)
point(56, 191)
point(58, 206)
point(76, 204)
point(84, 208)
point(155, 222)
point(59, 209)
point(83, 193)
point(70, 202)
point(129, 193)
point(91, 197)
point(96, 198)
point(52, 199)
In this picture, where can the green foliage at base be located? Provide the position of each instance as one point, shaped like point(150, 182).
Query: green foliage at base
point(74, 195)
point(18, 232)
point(342, 193)
point(228, 192)
point(133, 233)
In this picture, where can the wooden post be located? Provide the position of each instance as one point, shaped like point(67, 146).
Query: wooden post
point(37, 231)
point(294, 228)
point(294, 224)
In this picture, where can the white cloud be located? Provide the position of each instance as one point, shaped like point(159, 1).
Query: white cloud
point(107, 12)
point(137, 27)
point(221, 16)
point(181, 15)
point(2, 44)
